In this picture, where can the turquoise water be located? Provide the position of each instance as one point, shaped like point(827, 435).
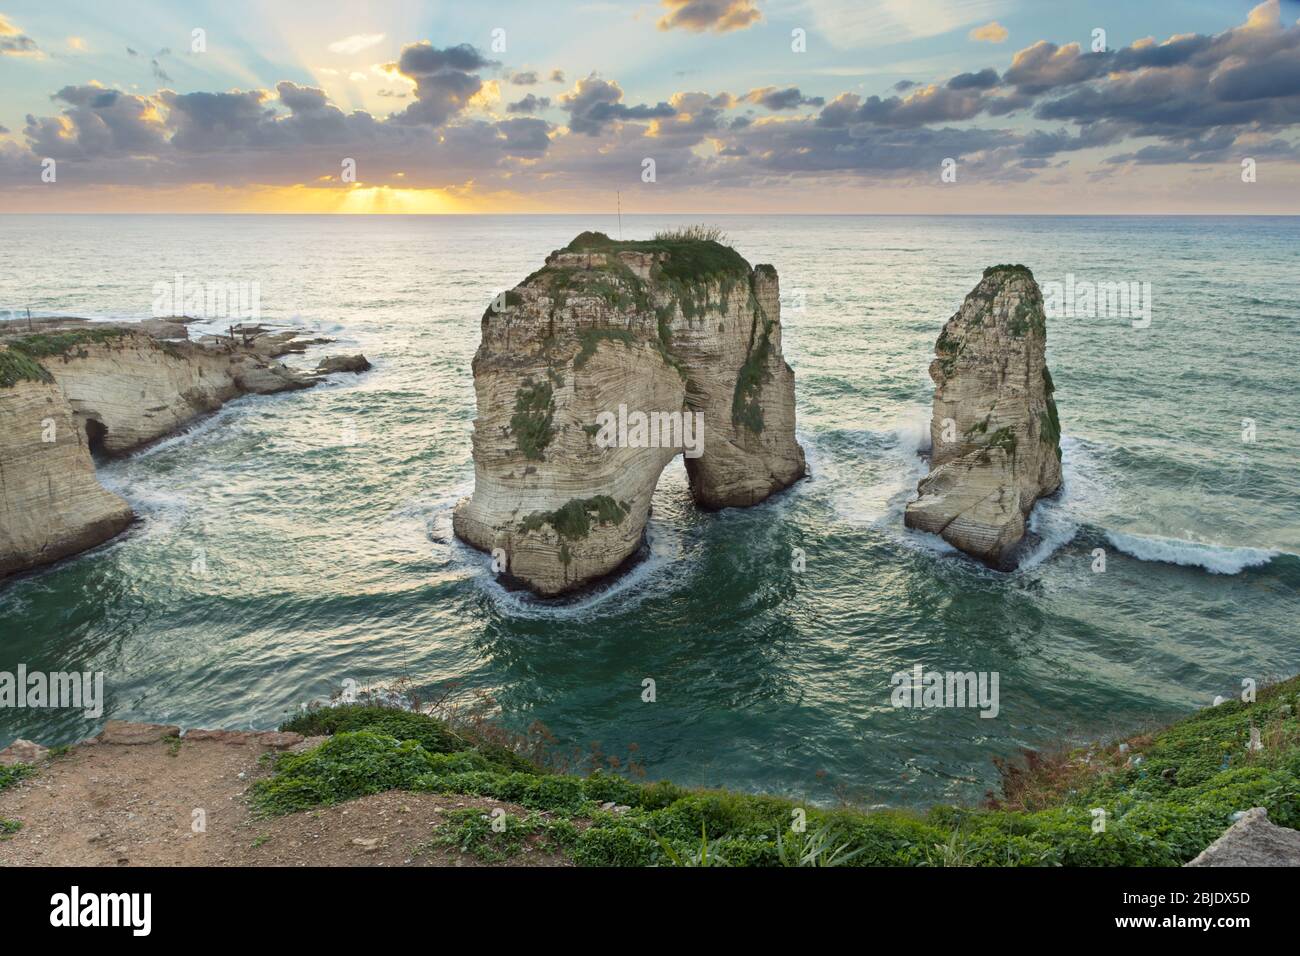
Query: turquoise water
point(331, 558)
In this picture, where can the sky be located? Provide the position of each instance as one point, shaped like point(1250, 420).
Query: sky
point(685, 106)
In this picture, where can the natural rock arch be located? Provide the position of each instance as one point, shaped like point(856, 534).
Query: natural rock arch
point(667, 327)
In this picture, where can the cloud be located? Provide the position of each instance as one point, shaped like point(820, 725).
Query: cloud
point(719, 16)
point(76, 43)
point(557, 76)
point(524, 137)
point(527, 78)
point(97, 122)
point(787, 99)
point(444, 81)
point(991, 32)
point(356, 43)
point(594, 103)
point(985, 79)
point(1190, 98)
point(13, 42)
point(529, 104)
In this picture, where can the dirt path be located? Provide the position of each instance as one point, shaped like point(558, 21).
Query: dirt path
point(134, 804)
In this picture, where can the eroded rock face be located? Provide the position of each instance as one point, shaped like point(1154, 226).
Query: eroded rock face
point(995, 433)
point(51, 504)
point(662, 328)
point(75, 388)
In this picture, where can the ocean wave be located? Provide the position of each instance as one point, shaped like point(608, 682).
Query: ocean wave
point(1215, 558)
point(648, 577)
point(1084, 490)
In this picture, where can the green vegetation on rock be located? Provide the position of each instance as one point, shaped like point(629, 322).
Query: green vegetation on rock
point(1004, 438)
point(573, 520)
point(16, 366)
point(1008, 268)
point(591, 339)
point(1028, 317)
point(532, 422)
point(688, 260)
point(746, 409)
point(53, 344)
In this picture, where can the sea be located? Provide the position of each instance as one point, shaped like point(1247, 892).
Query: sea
point(291, 545)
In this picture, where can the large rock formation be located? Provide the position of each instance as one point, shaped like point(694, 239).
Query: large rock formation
point(51, 505)
point(995, 435)
point(682, 332)
point(73, 388)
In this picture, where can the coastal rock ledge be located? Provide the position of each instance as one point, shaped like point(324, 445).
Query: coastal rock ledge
point(72, 389)
point(594, 373)
point(995, 434)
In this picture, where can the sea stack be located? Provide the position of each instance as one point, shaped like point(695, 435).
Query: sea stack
point(70, 389)
point(995, 435)
point(594, 373)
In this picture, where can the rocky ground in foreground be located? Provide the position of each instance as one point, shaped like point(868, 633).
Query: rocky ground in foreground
point(368, 785)
point(129, 799)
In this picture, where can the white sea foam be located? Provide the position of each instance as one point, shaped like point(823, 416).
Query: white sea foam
point(665, 546)
point(1085, 488)
point(1215, 558)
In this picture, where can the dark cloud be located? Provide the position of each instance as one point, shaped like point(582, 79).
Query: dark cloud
point(529, 104)
point(787, 99)
point(719, 16)
point(594, 103)
point(932, 104)
point(528, 78)
point(97, 122)
point(524, 137)
point(18, 45)
point(983, 80)
point(444, 81)
point(557, 76)
point(217, 121)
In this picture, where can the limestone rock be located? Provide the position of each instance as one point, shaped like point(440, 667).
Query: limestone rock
point(126, 733)
point(23, 751)
point(71, 388)
point(274, 739)
point(995, 434)
point(343, 363)
point(1253, 841)
point(662, 328)
point(51, 504)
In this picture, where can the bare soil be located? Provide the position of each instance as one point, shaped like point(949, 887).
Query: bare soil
point(103, 804)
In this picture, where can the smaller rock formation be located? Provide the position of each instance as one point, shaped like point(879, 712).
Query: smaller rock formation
point(343, 363)
point(71, 388)
point(995, 435)
point(1253, 840)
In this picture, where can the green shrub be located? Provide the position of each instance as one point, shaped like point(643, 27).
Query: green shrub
point(12, 774)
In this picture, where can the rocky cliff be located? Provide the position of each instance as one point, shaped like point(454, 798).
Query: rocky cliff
point(594, 373)
point(75, 388)
point(995, 433)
